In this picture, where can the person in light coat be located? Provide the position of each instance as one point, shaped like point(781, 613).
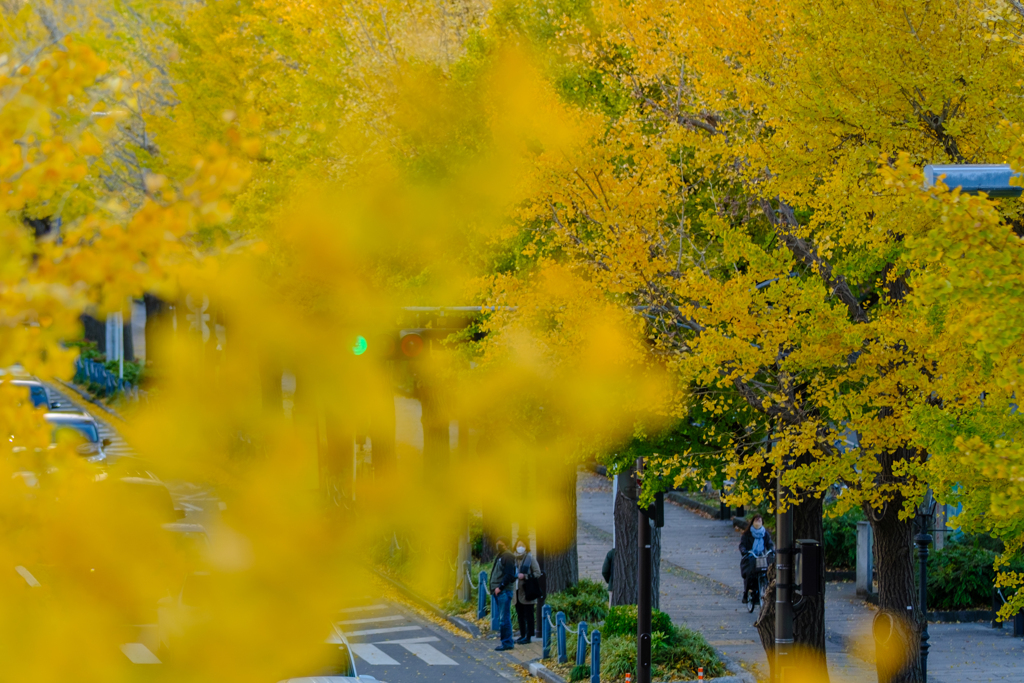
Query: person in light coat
point(525, 566)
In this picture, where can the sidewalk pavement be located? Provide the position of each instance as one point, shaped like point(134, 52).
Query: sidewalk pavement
point(701, 589)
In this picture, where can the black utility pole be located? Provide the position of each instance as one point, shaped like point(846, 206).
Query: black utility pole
point(643, 611)
point(922, 541)
point(783, 584)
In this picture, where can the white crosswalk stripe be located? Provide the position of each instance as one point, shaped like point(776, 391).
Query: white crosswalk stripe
point(385, 650)
point(368, 608)
point(370, 620)
point(372, 654)
point(430, 654)
point(378, 631)
point(139, 654)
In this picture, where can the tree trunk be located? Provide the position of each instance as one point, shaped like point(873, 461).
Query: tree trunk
point(808, 613)
point(625, 585)
point(558, 537)
point(625, 569)
point(898, 639)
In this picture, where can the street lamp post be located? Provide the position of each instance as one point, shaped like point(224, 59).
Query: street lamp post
point(993, 180)
point(783, 584)
point(922, 541)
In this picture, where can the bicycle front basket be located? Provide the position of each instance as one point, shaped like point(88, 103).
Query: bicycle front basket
point(761, 562)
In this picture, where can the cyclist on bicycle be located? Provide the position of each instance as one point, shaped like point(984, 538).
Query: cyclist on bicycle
point(756, 542)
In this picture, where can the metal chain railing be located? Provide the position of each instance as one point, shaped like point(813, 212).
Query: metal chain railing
point(560, 627)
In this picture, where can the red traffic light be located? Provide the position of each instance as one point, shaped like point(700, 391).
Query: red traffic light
point(412, 344)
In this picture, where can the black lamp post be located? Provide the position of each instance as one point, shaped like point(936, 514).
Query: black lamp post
point(923, 539)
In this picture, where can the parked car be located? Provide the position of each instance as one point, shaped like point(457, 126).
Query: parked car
point(339, 666)
point(36, 392)
point(82, 427)
point(190, 540)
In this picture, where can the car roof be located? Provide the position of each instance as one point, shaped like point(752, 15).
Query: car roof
point(184, 528)
point(145, 481)
point(69, 416)
point(25, 382)
point(325, 679)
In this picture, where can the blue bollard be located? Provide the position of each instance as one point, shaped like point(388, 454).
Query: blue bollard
point(563, 657)
point(481, 598)
point(595, 657)
point(581, 644)
point(494, 614)
point(545, 632)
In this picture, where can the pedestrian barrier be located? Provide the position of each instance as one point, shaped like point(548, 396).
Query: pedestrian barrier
point(481, 588)
point(581, 643)
point(90, 371)
point(561, 628)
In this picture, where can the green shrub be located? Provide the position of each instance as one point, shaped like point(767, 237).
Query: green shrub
point(581, 602)
point(585, 600)
point(960, 576)
point(621, 621)
point(840, 539)
point(679, 652)
point(133, 371)
point(580, 672)
point(86, 349)
point(588, 587)
point(476, 536)
point(686, 650)
point(618, 656)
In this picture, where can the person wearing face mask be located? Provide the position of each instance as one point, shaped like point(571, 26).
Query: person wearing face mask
point(525, 567)
point(756, 541)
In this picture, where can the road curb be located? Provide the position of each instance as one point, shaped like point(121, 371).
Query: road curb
point(538, 670)
point(412, 595)
point(85, 395)
point(738, 673)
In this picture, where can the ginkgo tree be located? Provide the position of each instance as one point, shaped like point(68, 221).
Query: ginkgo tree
point(736, 198)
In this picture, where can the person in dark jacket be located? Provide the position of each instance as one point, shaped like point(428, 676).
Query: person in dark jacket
point(503, 586)
point(526, 567)
point(756, 541)
point(608, 571)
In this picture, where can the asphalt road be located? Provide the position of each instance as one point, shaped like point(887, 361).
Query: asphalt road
point(396, 645)
point(391, 642)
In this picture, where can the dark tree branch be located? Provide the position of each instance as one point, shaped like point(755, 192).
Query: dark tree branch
point(805, 252)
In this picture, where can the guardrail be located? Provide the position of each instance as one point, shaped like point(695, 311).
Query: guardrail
point(91, 371)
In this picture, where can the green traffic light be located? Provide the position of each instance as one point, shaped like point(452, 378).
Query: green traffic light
point(360, 347)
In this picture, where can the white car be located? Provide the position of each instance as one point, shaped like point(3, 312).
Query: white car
point(340, 665)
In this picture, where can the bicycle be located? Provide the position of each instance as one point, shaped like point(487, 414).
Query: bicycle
point(761, 567)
